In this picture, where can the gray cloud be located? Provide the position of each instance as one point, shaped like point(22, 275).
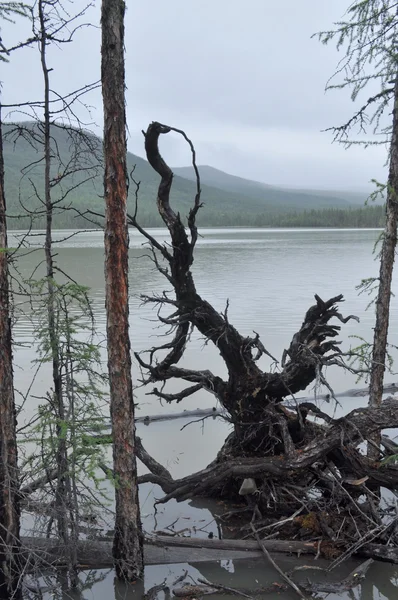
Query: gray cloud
point(244, 79)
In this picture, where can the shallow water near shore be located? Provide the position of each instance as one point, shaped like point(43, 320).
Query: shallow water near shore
point(270, 278)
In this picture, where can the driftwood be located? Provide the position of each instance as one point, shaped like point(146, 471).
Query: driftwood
point(389, 388)
point(353, 579)
point(315, 548)
point(282, 546)
point(189, 591)
point(185, 414)
point(152, 593)
point(206, 588)
point(213, 411)
point(98, 553)
point(165, 550)
point(194, 591)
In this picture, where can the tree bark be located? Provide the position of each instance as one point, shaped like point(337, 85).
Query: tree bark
point(127, 549)
point(9, 498)
point(385, 279)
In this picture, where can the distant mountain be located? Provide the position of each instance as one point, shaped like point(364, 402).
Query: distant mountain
point(293, 198)
point(228, 200)
point(222, 180)
point(358, 197)
point(25, 183)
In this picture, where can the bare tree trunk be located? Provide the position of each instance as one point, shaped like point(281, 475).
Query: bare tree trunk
point(127, 549)
point(385, 280)
point(9, 499)
point(62, 456)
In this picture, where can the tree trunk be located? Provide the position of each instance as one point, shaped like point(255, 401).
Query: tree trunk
point(9, 502)
point(62, 495)
point(127, 549)
point(385, 280)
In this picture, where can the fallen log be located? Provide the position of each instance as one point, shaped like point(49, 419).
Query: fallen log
point(189, 591)
point(212, 411)
point(97, 554)
point(185, 414)
point(375, 551)
point(164, 550)
point(287, 547)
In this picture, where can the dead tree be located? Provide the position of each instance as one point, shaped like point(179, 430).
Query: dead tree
point(385, 277)
point(292, 464)
point(288, 455)
point(9, 485)
point(127, 549)
point(250, 396)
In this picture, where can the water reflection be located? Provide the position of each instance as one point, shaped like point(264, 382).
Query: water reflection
point(381, 582)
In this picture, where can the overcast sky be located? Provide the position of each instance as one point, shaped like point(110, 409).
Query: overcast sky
point(242, 77)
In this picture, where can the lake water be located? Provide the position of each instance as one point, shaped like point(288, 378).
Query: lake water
point(270, 278)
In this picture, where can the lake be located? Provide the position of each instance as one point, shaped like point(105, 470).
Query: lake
point(270, 278)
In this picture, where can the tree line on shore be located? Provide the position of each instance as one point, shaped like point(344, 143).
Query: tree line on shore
point(357, 218)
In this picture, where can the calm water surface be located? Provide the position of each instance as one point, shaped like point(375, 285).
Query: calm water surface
point(270, 278)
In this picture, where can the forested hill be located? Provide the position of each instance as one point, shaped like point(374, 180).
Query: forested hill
point(274, 194)
point(237, 202)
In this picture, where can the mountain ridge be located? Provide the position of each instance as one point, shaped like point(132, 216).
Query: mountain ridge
point(240, 202)
point(223, 180)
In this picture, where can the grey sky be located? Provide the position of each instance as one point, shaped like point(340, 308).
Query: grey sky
point(242, 77)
